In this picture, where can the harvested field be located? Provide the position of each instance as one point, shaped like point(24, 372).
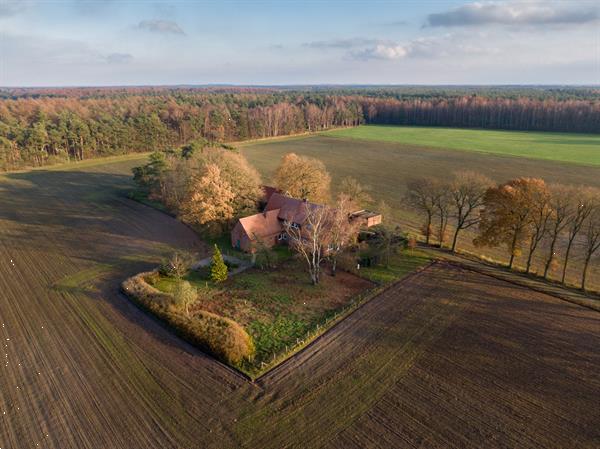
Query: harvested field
point(447, 357)
point(387, 167)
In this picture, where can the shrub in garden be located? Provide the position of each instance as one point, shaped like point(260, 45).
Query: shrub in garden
point(266, 258)
point(185, 295)
point(176, 266)
point(222, 337)
point(218, 269)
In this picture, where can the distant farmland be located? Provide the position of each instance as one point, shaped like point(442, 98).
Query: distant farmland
point(576, 148)
point(387, 166)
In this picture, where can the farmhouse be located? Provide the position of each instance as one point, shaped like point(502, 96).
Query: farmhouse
point(269, 226)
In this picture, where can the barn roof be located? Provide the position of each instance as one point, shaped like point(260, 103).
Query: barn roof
point(290, 209)
point(261, 225)
point(268, 191)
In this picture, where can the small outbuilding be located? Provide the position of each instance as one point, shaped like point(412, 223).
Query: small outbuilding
point(366, 218)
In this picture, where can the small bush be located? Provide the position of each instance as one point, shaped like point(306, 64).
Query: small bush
point(266, 258)
point(176, 266)
point(185, 295)
point(222, 337)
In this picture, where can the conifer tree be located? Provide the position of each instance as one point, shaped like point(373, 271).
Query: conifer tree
point(218, 269)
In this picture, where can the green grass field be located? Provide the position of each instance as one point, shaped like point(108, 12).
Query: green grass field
point(563, 147)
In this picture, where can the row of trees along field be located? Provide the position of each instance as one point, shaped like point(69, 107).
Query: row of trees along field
point(524, 215)
point(44, 126)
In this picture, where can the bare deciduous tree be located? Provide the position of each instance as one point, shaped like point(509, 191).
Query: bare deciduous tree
point(592, 239)
point(467, 192)
point(342, 231)
point(356, 192)
point(584, 206)
point(422, 195)
point(310, 238)
point(563, 204)
point(443, 208)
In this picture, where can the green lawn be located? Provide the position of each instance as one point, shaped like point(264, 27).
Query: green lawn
point(563, 147)
point(399, 266)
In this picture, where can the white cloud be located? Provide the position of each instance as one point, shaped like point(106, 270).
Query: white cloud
point(382, 51)
point(537, 12)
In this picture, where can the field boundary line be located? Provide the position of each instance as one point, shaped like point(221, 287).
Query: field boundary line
point(513, 278)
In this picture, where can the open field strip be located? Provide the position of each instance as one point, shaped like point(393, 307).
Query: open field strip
point(446, 357)
point(561, 147)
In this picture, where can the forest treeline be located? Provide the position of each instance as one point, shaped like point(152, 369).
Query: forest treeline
point(45, 126)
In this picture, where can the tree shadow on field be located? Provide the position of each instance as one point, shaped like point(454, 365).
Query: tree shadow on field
point(86, 213)
point(82, 221)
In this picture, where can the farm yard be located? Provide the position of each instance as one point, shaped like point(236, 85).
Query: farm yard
point(388, 164)
point(445, 357)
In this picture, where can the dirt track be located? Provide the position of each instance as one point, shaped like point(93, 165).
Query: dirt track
point(446, 358)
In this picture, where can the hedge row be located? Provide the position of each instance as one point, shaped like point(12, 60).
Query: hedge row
point(222, 337)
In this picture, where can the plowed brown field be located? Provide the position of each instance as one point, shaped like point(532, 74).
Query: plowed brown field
point(446, 357)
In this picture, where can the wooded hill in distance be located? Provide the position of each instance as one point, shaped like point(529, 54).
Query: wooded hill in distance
point(40, 126)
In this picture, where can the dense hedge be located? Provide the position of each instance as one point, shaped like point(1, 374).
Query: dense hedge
point(222, 337)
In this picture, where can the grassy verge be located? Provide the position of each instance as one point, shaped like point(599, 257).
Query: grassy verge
point(400, 265)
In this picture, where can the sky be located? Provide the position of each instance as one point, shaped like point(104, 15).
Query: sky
point(137, 42)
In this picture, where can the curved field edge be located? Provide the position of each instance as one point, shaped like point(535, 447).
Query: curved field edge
point(582, 149)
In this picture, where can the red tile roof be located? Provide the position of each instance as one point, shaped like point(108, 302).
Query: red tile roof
point(268, 191)
point(262, 225)
point(290, 209)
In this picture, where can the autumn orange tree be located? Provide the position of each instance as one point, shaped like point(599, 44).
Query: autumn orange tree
point(506, 216)
point(303, 178)
point(541, 213)
point(210, 200)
